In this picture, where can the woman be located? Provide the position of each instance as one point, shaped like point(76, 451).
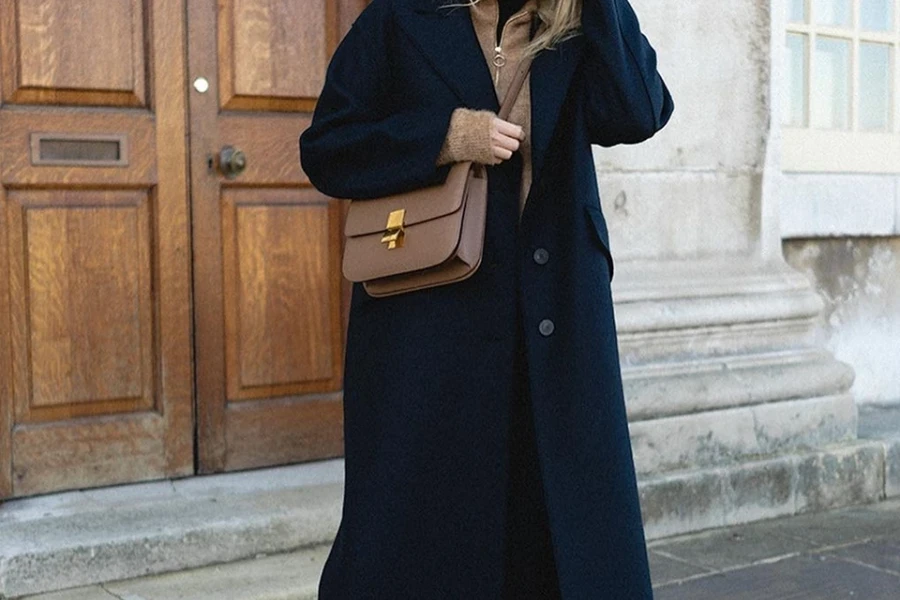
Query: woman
point(486, 441)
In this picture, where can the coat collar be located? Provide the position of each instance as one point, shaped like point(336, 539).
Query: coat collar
point(446, 38)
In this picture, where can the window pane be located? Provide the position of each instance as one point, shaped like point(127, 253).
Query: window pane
point(831, 84)
point(876, 15)
point(795, 96)
point(874, 87)
point(797, 11)
point(833, 12)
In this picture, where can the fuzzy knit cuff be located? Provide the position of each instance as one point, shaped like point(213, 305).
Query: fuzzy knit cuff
point(468, 137)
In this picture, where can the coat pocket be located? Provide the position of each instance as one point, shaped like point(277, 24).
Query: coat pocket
point(598, 226)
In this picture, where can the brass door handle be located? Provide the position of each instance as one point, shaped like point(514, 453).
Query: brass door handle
point(232, 161)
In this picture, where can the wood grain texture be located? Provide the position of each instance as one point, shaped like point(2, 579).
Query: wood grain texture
point(52, 53)
point(206, 235)
point(85, 268)
point(6, 372)
point(65, 456)
point(286, 431)
point(99, 294)
point(273, 153)
point(172, 277)
point(280, 48)
point(270, 301)
point(274, 54)
point(280, 286)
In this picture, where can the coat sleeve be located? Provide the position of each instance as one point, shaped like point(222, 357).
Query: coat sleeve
point(363, 142)
point(626, 100)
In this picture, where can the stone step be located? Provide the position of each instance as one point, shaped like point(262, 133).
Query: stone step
point(291, 576)
point(721, 410)
point(731, 435)
point(79, 538)
point(882, 422)
point(680, 388)
point(848, 474)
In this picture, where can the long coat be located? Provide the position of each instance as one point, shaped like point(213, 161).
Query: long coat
point(429, 374)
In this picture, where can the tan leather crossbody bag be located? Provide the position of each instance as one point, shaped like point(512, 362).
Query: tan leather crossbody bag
point(427, 237)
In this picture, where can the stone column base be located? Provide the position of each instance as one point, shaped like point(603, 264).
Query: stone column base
point(736, 413)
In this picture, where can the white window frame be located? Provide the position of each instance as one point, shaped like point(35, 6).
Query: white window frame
point(810, 150)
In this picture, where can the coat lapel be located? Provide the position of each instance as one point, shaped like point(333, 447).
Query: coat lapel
point(551, 75)
point(446, 38)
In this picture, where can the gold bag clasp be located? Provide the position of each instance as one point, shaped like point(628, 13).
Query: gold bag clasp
point(394, 233)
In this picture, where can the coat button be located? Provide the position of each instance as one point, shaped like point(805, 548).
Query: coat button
point(541, 256)
point(546, 327)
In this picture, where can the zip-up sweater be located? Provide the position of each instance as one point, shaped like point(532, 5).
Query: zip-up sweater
point(469, 133)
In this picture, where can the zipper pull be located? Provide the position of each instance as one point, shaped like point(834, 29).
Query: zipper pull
point(499, 61)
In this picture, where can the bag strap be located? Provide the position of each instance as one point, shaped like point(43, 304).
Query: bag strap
point(515, 86)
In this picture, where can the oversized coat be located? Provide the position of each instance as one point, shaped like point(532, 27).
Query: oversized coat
point(429, 374)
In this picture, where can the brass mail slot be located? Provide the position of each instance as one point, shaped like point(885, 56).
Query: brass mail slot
point(80, 150)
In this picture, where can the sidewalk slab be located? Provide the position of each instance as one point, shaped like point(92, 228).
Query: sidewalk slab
point(292, 576)
point(799, 578)
point(852, 552)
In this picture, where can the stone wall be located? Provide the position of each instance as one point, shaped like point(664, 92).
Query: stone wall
point(694, 190)
point(736, 410)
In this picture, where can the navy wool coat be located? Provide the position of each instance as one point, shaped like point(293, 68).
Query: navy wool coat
point(429, 374)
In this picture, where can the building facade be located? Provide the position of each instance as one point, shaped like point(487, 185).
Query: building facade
point(170, 292)
point(836, 104)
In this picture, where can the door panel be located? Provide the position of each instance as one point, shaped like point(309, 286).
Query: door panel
point(269, 295)
point(69, 248)
point(94, 262)
point(276, 52)
point(283, 338)
point(50, 62)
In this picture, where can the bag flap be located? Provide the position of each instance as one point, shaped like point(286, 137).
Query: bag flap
point(366, 217)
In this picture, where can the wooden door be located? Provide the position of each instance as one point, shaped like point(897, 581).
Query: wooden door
point(95, 324)
point(269, 297)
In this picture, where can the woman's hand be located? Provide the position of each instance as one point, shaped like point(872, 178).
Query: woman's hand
point(505, 139)
point(479, 136)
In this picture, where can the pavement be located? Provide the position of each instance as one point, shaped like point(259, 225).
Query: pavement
point(848, 553)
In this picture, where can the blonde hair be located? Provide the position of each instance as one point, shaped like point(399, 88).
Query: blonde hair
point(562, 19)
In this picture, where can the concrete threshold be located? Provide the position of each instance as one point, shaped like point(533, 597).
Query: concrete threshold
point(73, 539)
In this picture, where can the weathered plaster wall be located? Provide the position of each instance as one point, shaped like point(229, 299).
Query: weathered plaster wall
point(859, 279)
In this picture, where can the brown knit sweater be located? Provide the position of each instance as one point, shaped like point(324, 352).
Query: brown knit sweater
point(469, 134)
